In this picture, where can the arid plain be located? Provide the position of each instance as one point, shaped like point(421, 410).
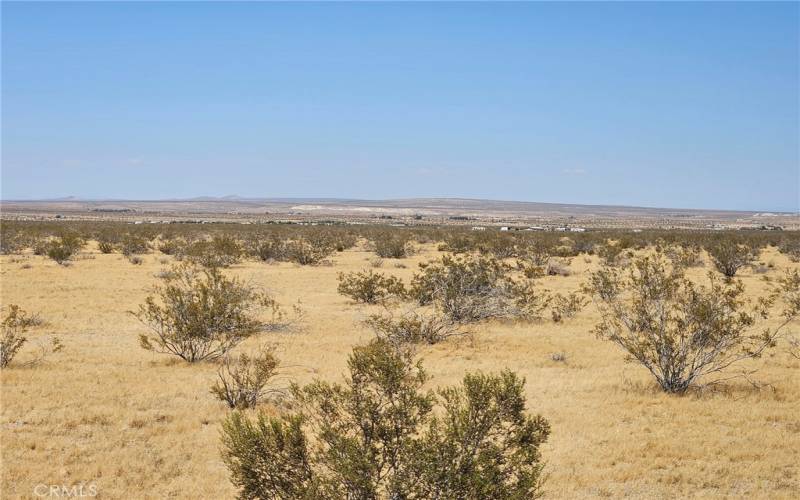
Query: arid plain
point(135, 424)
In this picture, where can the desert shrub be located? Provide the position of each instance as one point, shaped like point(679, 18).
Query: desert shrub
point(612, 253)
point(370, 287)
point(413, 327)
point(501, 246)
point(684, 255)
point(308, 251)
point(536, 252)
point(679, 331)
point(268, 249)
point(135, 260)
point(790, 246)
point(242, 381)
point(133, 244)
point(14, 325)
point(472, 288)
point(457, 242)
point(63, 248)
point(174, 247)
point(392, 245)
point(376, 436)
point(200, 314)
point(731, 254)
point(220, 251)
point(106, 246)
point(566, 306)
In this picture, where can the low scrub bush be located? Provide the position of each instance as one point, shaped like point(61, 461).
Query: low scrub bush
point(220, 251)
point(413, 328)
point(566, 306)
point(14, 325)
point(308, 252)
point(469, 288)
point(242, 381)
point(683, 332)
point(377, 436)
point(133, 244)
point(370, 287)
point(684, 256)
point(730, 254)
point(392, 245)
point(200, 314)
point(62, 248)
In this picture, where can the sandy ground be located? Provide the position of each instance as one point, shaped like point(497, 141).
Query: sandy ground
point(105, 413)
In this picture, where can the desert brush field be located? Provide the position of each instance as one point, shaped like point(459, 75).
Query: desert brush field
point(132, 423)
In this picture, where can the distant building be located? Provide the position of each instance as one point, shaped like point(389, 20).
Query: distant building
point(478, 228)
point(577, 229)
point(504, 228)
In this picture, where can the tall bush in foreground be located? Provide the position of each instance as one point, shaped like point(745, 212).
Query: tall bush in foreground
point(200, 314)
point(375, 436)
point(682, 332)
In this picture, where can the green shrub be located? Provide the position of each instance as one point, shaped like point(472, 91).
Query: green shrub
point(469, 288)
point(413, 328)
point(731, 254)
point(242, 381)
point(392, 245)
point(12, 338)
point(376, 436)
point(132, 244)
point(679, 331)
point(200, 314)
point(63, 248)
point(14, 326)
point(308, 252)
point(370, 287)
point(220, 251)
point(566, 306)
point(106, 247)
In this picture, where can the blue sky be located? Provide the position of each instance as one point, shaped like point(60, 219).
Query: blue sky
point(691, 105)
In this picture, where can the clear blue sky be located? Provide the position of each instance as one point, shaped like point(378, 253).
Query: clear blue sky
point(672, 104)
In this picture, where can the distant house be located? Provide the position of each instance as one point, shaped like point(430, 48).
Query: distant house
point(560, 229)
point(504, 228)
point(535, 228)
point(577, 229)
point(478, 228)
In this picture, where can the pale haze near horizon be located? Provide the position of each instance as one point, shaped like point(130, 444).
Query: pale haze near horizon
point(685, 105)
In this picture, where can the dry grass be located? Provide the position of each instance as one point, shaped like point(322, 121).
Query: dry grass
point(142, 425)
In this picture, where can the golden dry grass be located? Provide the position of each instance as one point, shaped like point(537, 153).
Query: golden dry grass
point(144, 425)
